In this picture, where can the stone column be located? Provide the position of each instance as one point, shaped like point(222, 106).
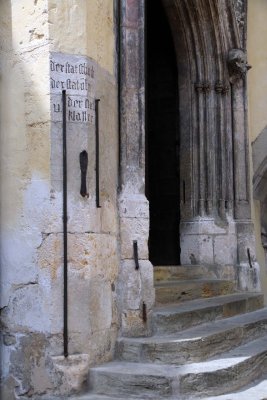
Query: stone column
point(135, 285)
point(247, 267)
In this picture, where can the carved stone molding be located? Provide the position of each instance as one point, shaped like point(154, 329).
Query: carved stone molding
point(237, 65)
point(221, 87)
point(240, 9)
point(203, 87)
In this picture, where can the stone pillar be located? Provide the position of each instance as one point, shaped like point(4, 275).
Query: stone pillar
point(247, 267)
point(135, 285)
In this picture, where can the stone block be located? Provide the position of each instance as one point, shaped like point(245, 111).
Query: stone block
point(136, 286)
point(248, 278)
point(71, 373)
point(133, 324)
point(90, 305)
point(109, 220)
point(27, 309)
point(133, 206)
point(225, 250)
point(196, 249)
point(203, 226)
point(137, 296)
point(134, 229)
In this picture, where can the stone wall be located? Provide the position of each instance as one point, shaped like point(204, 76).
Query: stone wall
point(45, 43)
point(257, 95)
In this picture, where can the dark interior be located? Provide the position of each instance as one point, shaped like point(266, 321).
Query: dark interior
point(162, 138)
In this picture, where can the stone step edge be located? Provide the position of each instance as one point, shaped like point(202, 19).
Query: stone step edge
point(227, 363)
point(254, 391)
point(202, 304)
point(177, 317)
point(192, 271)
point(195, 346)
point(173, 283)
point(232, 357)
point(212, 327)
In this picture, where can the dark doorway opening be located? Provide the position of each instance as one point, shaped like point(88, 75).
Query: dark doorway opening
point(162, 138)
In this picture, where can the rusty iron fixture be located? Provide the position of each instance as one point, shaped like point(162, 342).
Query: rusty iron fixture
point(144, 313)
point(249, 258)
point(83, 166)
point(135, 249)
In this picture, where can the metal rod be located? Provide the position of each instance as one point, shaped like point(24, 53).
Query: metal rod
point(135, 248)
point(119, 83)
point(249, 258)
point(144, 312)
point(65, 227)
point(97, 152)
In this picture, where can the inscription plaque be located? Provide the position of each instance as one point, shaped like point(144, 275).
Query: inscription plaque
point(76, 75)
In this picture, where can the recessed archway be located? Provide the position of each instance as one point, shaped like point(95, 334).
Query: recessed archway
point(215, 219)
point(162, 138)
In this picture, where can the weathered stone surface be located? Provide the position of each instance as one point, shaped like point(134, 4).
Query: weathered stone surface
point(220, 375)
point(243, 365)
point(208, 242)
point(28, 363)
point(71, 373)
point(133, 206)
point(31, 181)
point(179, 291)
point(187, 272)
point(146, 381)
point(136, 291)
point(134, 229)
point(195, 344)
point(31, 190)
point(176, 317)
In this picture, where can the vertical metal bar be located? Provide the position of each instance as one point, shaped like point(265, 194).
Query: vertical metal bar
point(135, 249)
point(97, 152)
point(119, 82)
point(65, 222)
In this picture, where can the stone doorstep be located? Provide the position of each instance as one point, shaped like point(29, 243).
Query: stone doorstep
point(176, 317)
point(186, 272)
point(194, 344)
point(179, 291)
point(228, 372)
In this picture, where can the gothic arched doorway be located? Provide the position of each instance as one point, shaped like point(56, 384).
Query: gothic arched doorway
point(162, 139)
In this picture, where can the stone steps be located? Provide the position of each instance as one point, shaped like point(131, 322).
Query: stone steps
point(227, 372)
point(196, 344)
point(256, 391)
point(176, 317)
point(175, 291)
point(208, 339)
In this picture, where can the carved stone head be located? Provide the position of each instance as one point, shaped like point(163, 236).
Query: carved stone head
point(237, 64)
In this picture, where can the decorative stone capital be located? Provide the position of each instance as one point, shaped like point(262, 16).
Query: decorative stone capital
point(202, 87)
point(237, 65)
point(221, 87)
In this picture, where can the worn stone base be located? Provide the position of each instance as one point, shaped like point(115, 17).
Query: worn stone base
point(71, 373)
point(222, 244)
point(248, 277)
point(137, 296)
point(205, 241)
